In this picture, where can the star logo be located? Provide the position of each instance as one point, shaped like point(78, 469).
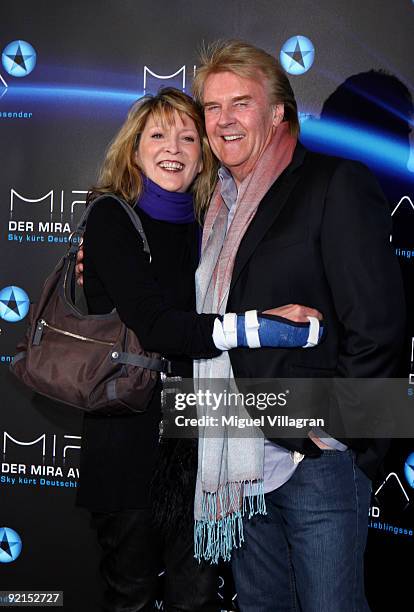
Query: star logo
point(19, 58)
point(10, 545)
point(297, 55)
point(14, 304)
point(409, 470)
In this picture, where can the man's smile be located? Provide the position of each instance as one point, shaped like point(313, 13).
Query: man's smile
point(232, 137)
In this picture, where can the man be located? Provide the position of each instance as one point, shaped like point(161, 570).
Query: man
point(289, 226)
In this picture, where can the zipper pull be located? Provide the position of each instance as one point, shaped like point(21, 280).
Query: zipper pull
point(39, 332)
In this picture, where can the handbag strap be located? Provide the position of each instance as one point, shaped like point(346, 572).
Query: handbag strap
point(151, 363)
point(80, 230)
point(142, 361)
point(70, 255)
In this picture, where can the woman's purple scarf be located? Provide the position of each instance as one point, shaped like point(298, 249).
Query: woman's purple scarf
point(164, 205)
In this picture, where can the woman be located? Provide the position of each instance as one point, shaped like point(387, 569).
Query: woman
point(160, 153)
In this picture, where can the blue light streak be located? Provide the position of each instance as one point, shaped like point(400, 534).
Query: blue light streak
point(87, 94)
point(345, 139)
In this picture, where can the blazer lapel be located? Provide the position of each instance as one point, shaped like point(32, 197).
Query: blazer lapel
point(269, 209)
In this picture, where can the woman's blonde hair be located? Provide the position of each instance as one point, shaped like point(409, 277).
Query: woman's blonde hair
point(120, 174)
point(250, 62)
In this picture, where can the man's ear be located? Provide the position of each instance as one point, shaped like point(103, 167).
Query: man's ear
point(278, 114)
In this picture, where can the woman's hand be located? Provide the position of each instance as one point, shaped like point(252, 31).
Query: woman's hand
point(79, 267)
point(295, 312)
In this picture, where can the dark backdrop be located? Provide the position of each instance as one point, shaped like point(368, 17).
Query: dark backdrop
point(93, 59)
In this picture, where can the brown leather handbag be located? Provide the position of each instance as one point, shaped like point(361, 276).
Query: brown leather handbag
point(92, 362)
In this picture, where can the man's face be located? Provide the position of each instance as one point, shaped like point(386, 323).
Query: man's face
point(240, 120)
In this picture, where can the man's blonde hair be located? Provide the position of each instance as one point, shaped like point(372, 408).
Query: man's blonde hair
point(119, 172)
point(248, 61)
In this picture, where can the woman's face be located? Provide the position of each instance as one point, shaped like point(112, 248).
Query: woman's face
point(170, 154)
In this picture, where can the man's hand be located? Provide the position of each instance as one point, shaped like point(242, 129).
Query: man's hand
point(259, 329)
point(295, 312)
point(79, 267)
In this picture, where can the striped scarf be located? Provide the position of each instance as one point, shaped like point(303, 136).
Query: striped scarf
point(230, 469)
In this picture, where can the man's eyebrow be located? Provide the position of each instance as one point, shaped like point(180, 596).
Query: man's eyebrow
point(241, 98)
point(235, 99)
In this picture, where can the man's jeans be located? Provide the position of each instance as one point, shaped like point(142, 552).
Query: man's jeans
point(307, 554)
